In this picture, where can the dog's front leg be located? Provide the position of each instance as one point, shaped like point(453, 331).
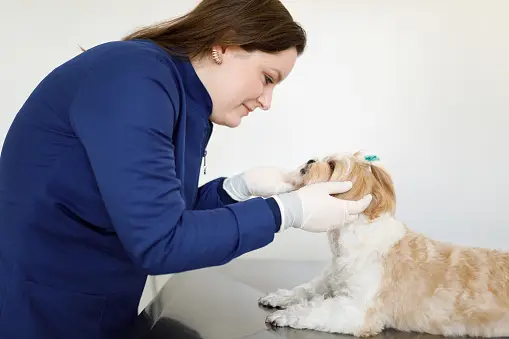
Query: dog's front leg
point(282, 298)
point(340, 314)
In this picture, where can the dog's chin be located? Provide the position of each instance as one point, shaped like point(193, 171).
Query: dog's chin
point(299, 180)
point(295, 179)
point(298, 183)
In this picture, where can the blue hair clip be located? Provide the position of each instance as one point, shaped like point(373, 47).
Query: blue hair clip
point(371, 158)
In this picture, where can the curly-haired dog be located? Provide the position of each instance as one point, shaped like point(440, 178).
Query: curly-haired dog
point(384, 275)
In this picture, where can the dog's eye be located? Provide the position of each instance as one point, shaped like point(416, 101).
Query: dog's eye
point(332, 165)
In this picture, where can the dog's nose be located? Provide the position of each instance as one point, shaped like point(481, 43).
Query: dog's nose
point(311, 161)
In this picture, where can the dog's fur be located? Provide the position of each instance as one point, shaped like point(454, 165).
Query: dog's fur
point(384, 275)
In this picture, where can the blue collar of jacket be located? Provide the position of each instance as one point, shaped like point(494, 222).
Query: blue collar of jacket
point(197, 97)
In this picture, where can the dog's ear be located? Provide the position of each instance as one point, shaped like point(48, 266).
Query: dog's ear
point(384, 195)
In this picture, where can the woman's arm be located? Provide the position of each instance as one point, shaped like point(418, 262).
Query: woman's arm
point(212, 195)
point(124, 116)
point(262, 181)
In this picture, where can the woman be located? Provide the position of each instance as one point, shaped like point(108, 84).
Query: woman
point(99, 171)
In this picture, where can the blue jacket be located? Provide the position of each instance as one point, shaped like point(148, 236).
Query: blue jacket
point(99, 187)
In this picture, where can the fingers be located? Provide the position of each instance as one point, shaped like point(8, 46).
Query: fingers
point(356, 207)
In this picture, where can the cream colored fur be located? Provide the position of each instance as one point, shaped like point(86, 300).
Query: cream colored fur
point(383, 275)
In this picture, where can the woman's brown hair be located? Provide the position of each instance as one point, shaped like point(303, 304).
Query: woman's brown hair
point(264, 25)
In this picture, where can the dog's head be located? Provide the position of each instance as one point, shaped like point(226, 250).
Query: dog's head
point(365, 175)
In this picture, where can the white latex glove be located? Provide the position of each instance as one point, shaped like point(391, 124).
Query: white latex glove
point(313, 209)
point(260, 181)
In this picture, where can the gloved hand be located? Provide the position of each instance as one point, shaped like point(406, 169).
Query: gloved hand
point(312, 208)
point(262, 181)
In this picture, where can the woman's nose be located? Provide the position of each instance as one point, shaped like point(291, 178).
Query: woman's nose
point(265, 99)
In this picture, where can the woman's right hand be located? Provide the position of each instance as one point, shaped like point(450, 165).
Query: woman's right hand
point(312, 208)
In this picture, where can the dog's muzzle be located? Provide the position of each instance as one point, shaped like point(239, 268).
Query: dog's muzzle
point(306, 168)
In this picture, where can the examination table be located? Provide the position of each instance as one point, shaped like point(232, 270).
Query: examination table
point(221, 303)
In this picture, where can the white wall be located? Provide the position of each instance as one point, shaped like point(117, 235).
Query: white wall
point(423, 84)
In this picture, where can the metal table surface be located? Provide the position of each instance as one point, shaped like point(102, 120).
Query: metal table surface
point(222, 303)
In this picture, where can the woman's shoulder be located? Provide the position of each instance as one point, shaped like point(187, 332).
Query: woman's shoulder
point(128, 62)
point(133, 56)
point(141, 60)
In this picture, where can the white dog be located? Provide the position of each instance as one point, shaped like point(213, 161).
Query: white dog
point(384, 275)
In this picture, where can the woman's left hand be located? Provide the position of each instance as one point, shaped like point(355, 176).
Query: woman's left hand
point(263, 181)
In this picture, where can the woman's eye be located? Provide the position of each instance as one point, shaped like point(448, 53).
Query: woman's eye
point(268, 80)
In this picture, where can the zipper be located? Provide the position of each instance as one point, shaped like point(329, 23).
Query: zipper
point(207, 137)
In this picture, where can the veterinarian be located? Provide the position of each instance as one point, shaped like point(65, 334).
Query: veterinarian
point(99, 170)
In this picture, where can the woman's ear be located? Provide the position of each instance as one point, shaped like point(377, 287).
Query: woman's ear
point(384, 195)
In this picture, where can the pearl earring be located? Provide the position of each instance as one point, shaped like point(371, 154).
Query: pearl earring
point(216, 57)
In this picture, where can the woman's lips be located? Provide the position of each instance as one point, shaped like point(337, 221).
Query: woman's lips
point(247, 109)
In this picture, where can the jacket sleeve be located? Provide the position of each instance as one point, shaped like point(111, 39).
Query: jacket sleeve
point(124, 114)
point(212, 195)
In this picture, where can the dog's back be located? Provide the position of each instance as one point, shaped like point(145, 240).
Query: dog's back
point(438, 288)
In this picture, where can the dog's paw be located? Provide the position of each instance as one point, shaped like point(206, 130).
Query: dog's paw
point(280, 299)
point(279, 318)
point(289, 318)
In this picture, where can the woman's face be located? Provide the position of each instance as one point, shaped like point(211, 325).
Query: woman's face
point(243, 81)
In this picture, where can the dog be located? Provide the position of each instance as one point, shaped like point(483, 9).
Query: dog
point(383, 275)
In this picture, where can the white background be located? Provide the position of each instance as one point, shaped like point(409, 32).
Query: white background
point(422, 84)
